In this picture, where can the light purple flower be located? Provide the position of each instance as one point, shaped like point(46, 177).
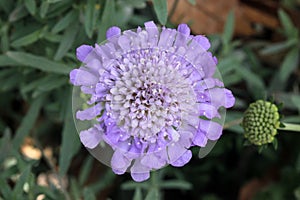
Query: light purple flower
point(153, 94)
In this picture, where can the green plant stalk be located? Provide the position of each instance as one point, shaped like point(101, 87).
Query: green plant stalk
point(290, 127)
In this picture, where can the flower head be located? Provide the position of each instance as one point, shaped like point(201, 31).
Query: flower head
point(260, 122)
point(152, 95)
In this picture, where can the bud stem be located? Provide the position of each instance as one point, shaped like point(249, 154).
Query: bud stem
point(290, 127)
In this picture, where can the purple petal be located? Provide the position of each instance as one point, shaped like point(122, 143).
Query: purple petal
point(119, 163)
point(208, 110)
point(83, 51)
point(212, 130)
point(184, 29)
point(139, 172)
point(200, 139)
point(113, 31)
point(175, 151)
point(152, 30)
point(90, 138)
point(230, 100)
point(167, 37)
point(202, 41)
point(185, 158)
point(221, 97)
point(80, 77)
point(152, 161)
point(90, 113)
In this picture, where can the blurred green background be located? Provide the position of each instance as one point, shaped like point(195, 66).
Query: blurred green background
point(40, 153)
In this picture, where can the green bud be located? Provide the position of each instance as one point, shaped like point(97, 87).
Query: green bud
point(260, 122)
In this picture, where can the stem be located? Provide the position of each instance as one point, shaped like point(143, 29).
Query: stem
point(290, 127)
point(233, 123)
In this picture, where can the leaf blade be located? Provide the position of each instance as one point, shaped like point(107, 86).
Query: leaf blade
point(38, 62)
point(160, 8)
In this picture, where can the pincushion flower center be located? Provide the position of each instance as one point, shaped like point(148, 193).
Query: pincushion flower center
point(148, 95)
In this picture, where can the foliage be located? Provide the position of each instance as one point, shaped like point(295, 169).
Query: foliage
point(38, 40)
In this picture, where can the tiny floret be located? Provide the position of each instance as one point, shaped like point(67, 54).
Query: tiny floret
point(150, 95)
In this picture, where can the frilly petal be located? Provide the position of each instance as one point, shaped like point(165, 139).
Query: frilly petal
point(181, 161)
point(90, 138)
point(139, 172)
point(83, 51)
point(212, 130)
point(113, 31)
point(82, 77)
point(119, 163)
point(89, 113)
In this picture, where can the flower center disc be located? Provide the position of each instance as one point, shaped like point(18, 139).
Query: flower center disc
point(150, 94)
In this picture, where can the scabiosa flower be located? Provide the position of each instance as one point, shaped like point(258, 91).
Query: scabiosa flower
point(151, 95)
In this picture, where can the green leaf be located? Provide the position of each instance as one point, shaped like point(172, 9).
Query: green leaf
point(38, 62)
point(228, 28)
point(138, 194)
point(253, 81)
point(278, 47)
point(5, 190)
point(18, 13)
point(88, 194)
point(152, 194)
point(176, 184)
point(290, 63)
point(90, 17)
point(107, 20)
point(31, 6)
point(65, 21)
point(67, 41)
point(44, 9)
point(6, 61)
point(28, 121)
point(18, 189)
point(130, 185)
point(75, 189)
point(160, 8)
point(4, 38)
point(5, 145)
point(85, 170)
point(289, 29)
point(70, 140)
point(27, 39)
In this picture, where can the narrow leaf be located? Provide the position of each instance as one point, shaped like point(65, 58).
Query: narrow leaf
point(176, 184)
point(85, 170)
point(5, 190)
point(18, 189)
point(138, 194)
point(27, 39)
point(287, 24)
point(65, 21)
point(38, 62)
point(66, 42)
point(228, 28)
point(31, 6)
point(152, 194)
point(106, 20)
point(160, 8)
point(6, 61)
point(89, 17)
point(70, 140)
point(44, 9)
point(28, 121)
point(289, 64)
